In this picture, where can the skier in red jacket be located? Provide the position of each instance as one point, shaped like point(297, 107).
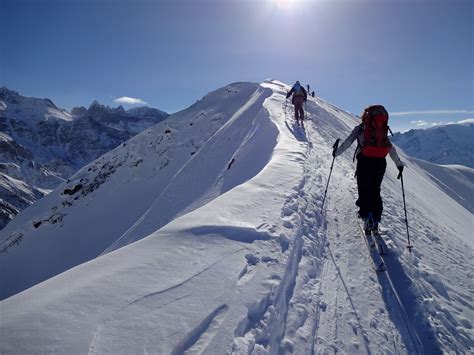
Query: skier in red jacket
point(372, 147)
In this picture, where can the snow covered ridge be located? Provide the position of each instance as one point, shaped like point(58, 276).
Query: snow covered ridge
point(42, 145)
point(448, 144)
point(213, 241)
point(138, 187)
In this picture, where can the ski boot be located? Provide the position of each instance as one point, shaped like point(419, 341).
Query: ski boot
point(370, 224)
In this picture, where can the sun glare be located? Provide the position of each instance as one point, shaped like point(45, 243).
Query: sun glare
point(284, 4)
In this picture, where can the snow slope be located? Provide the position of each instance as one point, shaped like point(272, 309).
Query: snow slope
point(243, 259)
point(447, 144)
point(456, 181)
point(138, 187)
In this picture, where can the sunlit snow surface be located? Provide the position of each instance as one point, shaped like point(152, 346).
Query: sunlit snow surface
point(212, 240)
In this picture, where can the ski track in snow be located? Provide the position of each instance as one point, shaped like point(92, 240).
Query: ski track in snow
point(342, 282)
point(286, 313)
point(415, 334)
point(315, 297)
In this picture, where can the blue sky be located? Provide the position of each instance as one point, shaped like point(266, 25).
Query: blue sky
point(415, 57)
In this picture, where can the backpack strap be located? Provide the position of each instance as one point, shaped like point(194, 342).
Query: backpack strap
point(361, 129)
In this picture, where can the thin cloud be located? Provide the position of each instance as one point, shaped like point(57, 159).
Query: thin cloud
point(433, 112)
point(419, 123)
point(130, 101)
point(467, 120)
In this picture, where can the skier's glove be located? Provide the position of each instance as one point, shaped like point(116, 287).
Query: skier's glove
point(400, 169)
point(334, 148)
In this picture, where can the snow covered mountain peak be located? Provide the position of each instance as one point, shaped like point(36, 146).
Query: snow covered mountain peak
point(97, 109)
point(94, 104)
point(144, 111)
point(30, 110)
point(6, 93)
point(44, 145)
point(447, 144)
point(118, 113)
point(78, 111)
point(206, 233)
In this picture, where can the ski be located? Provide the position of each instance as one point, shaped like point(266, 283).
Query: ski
point(378, 240)
point(374, 248)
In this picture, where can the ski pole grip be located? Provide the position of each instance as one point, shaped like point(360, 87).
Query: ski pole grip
point(400, 169)
point(334, 148)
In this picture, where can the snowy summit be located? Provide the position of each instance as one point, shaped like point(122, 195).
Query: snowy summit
point(206, 233)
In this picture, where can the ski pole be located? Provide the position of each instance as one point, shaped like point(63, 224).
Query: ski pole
point(409, 246)
point(334, 147)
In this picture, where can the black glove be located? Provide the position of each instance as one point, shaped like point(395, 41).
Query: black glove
point(334, 147)
point(400, 169)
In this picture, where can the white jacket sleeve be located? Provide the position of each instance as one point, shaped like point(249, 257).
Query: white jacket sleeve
point(349, 140)
point(394, 155)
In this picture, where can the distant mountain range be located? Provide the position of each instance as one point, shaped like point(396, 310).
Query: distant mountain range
point(42, 145)
point(448, 144)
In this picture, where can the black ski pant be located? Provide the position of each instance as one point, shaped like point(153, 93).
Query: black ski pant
point(370, 172)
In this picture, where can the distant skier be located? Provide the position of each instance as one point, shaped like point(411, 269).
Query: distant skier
point(372, 147)
point(312, 94)
point(298, 99)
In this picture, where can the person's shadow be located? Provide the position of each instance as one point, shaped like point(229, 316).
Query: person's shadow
point(298, 131)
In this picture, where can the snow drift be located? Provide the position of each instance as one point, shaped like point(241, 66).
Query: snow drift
point(231, 251)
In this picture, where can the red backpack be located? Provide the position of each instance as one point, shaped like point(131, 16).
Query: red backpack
point(375, 129)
